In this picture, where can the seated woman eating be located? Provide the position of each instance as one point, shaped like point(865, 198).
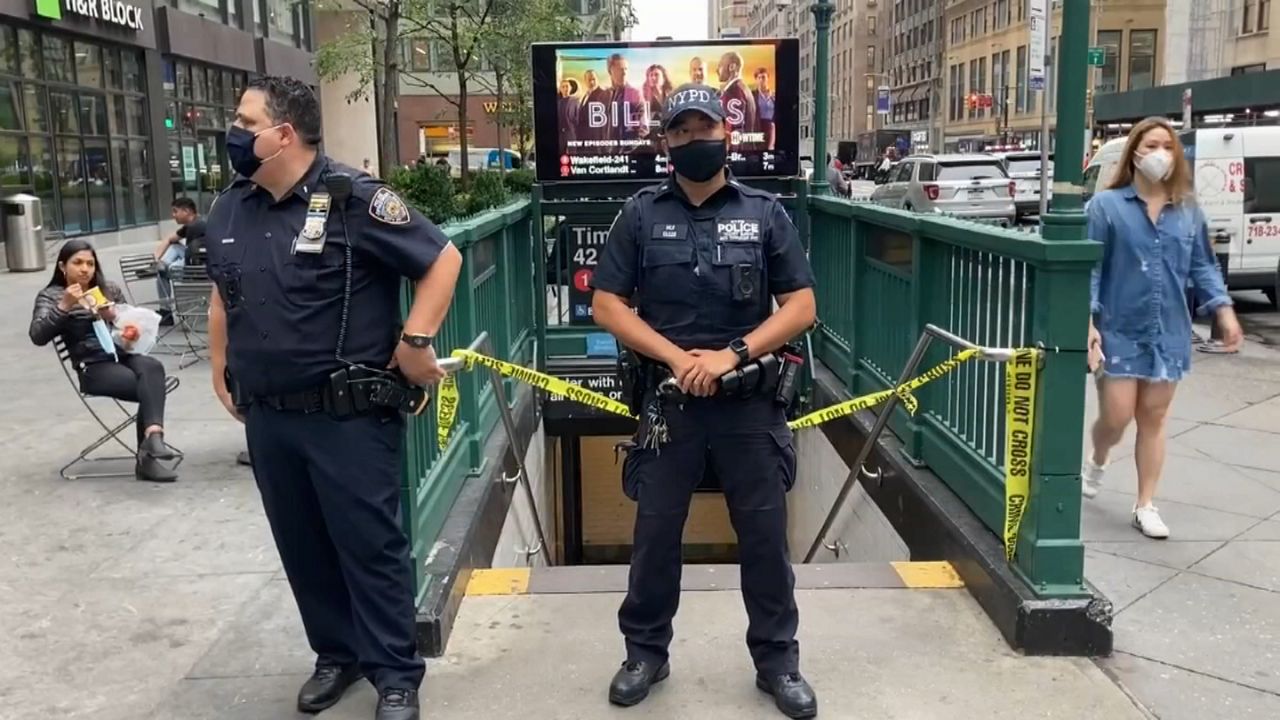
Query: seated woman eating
point(66, 308)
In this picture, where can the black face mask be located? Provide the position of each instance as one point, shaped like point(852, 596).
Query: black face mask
point(699, 160)
point(240, 151)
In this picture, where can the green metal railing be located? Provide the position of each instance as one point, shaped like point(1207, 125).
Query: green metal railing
point(884, 274)
point(495, 293)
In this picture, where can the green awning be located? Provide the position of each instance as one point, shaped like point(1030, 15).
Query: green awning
point(1236, 92)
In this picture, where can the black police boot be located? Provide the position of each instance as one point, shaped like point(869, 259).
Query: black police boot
point(632, 681)
point(153, 445)
point(166, 317)
point(242, 458)
point(791, 694)
point(325, 687)
point(149, 469)
point(397, 704)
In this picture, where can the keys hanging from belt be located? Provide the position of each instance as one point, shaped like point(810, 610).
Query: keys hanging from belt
point(654, 433)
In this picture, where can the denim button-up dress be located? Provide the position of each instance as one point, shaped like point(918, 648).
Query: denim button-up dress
point(1138, 290)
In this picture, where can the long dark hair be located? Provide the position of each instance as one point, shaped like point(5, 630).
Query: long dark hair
point(69, 248)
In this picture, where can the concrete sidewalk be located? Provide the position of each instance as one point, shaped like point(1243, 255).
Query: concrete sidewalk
point(1197, 628)
point(122, 600)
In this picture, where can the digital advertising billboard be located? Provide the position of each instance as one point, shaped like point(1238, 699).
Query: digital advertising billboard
point(598, 105)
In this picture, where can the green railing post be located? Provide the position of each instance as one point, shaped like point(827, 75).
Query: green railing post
point(540, 263)
point(822, 10)
point(1050, 554)
point(464, 305)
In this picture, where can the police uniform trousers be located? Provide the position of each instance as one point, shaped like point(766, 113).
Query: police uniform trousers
point(749, 448)
point(331, 490)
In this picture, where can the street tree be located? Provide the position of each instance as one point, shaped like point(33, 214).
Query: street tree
point(507, 47)
point(373, 48)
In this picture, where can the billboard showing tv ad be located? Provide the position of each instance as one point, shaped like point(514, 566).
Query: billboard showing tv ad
point(598, 105)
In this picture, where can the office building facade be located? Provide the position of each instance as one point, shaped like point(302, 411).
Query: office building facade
point(108, 110)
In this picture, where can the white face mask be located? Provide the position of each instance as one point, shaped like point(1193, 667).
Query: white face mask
point(1156, 165)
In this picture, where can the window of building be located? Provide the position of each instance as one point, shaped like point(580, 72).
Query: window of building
point(419, 54)
point(64, 115)
point(1264, 14)
point(1246, 18)
point(196, 121)
point(286, 22)
point(1109, 74)
point(999, 93)
point(1001, 14)
point(215, 10)
point(1020, 101)
point(871, 57)
point(973, 112)
point(1142, 59)
point(871, 25)
point(1245, 69)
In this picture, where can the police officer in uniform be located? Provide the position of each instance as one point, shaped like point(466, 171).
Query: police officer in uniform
point(686, 282)
point(307, 257)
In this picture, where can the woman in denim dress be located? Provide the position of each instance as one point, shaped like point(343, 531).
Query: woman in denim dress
point(1154, 241)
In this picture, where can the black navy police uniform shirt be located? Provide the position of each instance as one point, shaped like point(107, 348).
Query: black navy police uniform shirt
point(284, 308)
point(676, 262)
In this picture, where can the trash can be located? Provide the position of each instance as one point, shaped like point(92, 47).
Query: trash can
point(23, 232)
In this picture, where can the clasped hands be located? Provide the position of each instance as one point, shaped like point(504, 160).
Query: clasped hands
point(698, 371)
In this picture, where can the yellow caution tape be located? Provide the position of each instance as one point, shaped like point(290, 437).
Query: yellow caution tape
point(1020, 401)
point(1020, 377)
point(446, 409)
point(903, 391)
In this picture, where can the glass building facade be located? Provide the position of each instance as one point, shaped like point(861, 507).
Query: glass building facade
point(74, 132)
point(106, 122)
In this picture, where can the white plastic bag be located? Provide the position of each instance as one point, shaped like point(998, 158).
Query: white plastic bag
point(135, 329)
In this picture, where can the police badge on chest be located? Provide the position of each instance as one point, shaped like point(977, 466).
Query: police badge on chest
point(311, 239)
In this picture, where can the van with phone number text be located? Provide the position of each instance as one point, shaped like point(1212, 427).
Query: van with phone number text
point(1236, 173)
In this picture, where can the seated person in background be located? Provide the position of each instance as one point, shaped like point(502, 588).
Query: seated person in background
point(172, 253)
point(64, 308)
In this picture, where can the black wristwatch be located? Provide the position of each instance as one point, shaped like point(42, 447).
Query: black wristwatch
point(415, 340)
point(739, 348)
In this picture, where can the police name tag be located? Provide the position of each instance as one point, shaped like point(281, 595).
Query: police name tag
point(311, 239)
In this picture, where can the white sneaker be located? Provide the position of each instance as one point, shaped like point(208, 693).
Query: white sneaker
point(1091, 479)
point(1147, 519)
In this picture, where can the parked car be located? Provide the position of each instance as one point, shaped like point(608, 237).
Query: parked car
point(1024, 168)
point(969, 186)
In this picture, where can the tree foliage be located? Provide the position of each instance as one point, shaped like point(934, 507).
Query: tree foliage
point(507, 47)
point(480, 43)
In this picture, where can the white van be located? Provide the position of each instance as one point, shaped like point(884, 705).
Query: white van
point(482, 159)
point(1237, 183)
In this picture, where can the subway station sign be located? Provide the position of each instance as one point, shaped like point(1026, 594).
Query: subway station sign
point(110, 11)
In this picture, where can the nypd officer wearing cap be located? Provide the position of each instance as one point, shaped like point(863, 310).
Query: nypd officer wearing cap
point(686, 281)
point(307, 257)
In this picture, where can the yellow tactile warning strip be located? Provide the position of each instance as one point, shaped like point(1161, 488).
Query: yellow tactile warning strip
point(499, 581)
point(924, 575)
point(598, 579)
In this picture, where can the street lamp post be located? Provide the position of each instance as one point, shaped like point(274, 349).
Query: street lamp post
point(1065, 219)
point(822, 12)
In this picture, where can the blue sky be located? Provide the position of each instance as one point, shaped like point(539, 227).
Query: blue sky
point(681, 19)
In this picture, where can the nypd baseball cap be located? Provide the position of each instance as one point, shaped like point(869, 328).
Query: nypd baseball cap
point(692, 96)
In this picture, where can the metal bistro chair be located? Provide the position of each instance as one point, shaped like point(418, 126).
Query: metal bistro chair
point(140, 269)
point(112, 432)
point(191, 313)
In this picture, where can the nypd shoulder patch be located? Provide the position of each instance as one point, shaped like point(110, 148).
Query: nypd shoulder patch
point(387, 207)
